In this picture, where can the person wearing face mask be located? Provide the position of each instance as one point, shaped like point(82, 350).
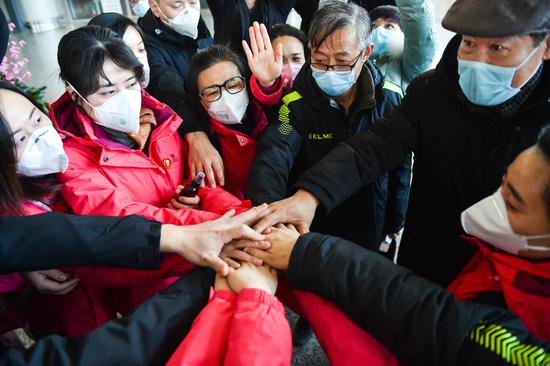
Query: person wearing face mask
point(511, 228)
point(465, 121)
point(174, 32)
point(294, 52)
point(131, 34)
point(404, 40)
point(236, 118)
point(125, 154)
point(335, 96)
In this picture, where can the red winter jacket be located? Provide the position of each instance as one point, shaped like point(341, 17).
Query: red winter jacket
point(524, 284)
point(245, 329)
point(107, 178)
point(238, 149)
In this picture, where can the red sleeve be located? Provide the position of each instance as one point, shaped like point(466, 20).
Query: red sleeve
point(206, 343)
point(171, 265)
point(260, 334)
point(218, 201)
point(267, 96)
point(344, 342)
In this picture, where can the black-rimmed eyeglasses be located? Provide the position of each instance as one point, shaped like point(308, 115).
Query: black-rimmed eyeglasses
point(214, 92)
point(341, 68)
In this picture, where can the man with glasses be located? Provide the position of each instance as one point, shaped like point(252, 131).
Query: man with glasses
point(337, 94)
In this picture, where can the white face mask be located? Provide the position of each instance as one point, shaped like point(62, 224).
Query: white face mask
point(186, 22)
point(140, 8)
point(488, 220)
point(230, 108)
point(146, 69)
point(43, 154)
point(120, 112)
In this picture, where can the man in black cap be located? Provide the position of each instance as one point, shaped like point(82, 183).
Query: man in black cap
point(465, 121)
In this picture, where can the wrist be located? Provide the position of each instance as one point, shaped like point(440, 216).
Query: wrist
point(171, 239)
point(267, 83)
point(193, 136)
point(307, 198)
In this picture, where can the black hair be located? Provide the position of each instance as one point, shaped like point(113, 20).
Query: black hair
point(538, 37)
point(282, 29)
point(543, 145)
point(389, 12)
point(14, 188)
point(116, 22)
point(209, 57)
point(82, 52)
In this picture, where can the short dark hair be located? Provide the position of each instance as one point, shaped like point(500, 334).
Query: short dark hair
point(543, 145)
point(14, 188)
point(116, 22)
point(209, 57)
point(337, 15)
point(389, 12)
point(82, 52)
point(538, 37)
point(282, 29)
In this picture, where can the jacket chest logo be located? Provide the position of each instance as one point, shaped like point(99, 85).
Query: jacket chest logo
point(320, 136)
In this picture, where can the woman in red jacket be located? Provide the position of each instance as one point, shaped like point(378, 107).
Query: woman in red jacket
point(217, 76)
point(511, 228)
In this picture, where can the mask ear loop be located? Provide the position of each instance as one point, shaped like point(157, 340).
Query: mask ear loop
point(77, 93)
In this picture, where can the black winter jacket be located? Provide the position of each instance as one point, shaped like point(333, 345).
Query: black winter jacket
point(307, 129)
point(52, 240)
point(169, 55)
point(232, 18)
point(460, 157)
point(418, 321)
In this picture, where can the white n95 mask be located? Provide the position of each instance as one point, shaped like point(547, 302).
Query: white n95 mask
point(230, 108)
point(488, 220)
point(43, 154)
point(120, 112)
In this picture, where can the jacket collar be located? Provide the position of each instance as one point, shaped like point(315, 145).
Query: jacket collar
point(260, 121)
point(536, 268)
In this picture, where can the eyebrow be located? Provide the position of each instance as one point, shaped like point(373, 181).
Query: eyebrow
point(297, 54)
point(111, 84)
point(32, 112)
point(515, 193)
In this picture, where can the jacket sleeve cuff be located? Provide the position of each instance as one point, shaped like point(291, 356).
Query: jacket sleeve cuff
point(260, 297)
point(148, 257)
point(297, 277)
point(268, 96)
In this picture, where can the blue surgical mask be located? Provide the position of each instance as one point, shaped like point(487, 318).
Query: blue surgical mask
point(140, 8)
point(334, 83)
point(387, 43)
point(488, 85)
